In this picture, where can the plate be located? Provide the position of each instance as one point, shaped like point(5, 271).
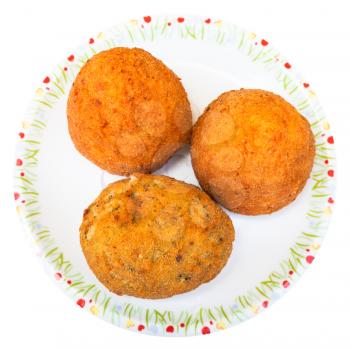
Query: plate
point(54, 183)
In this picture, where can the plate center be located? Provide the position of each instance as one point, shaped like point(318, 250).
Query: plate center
point(68, 182)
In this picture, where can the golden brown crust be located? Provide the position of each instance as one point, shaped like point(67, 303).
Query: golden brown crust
point(153, 237)
point(128, 112)
point(252, 151)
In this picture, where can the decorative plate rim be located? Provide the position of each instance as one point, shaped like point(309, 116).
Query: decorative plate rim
point(204, 320)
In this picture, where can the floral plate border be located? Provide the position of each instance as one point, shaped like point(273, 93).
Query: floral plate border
point(204, 320)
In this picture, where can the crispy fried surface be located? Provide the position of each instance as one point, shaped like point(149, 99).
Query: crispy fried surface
point(153, 237)
point(128, 112)
point(252, 151)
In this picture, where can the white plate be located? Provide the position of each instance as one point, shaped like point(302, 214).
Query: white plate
point(54, 183)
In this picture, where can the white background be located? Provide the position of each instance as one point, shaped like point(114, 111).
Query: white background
point(34, 35)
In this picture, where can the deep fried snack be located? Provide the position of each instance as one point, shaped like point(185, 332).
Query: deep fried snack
point(252, 151)
point(153, 237)
point(128, 112)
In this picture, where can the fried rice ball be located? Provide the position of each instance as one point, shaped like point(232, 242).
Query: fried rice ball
point(152, 236)
point(252, 151)
point(128, 112)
